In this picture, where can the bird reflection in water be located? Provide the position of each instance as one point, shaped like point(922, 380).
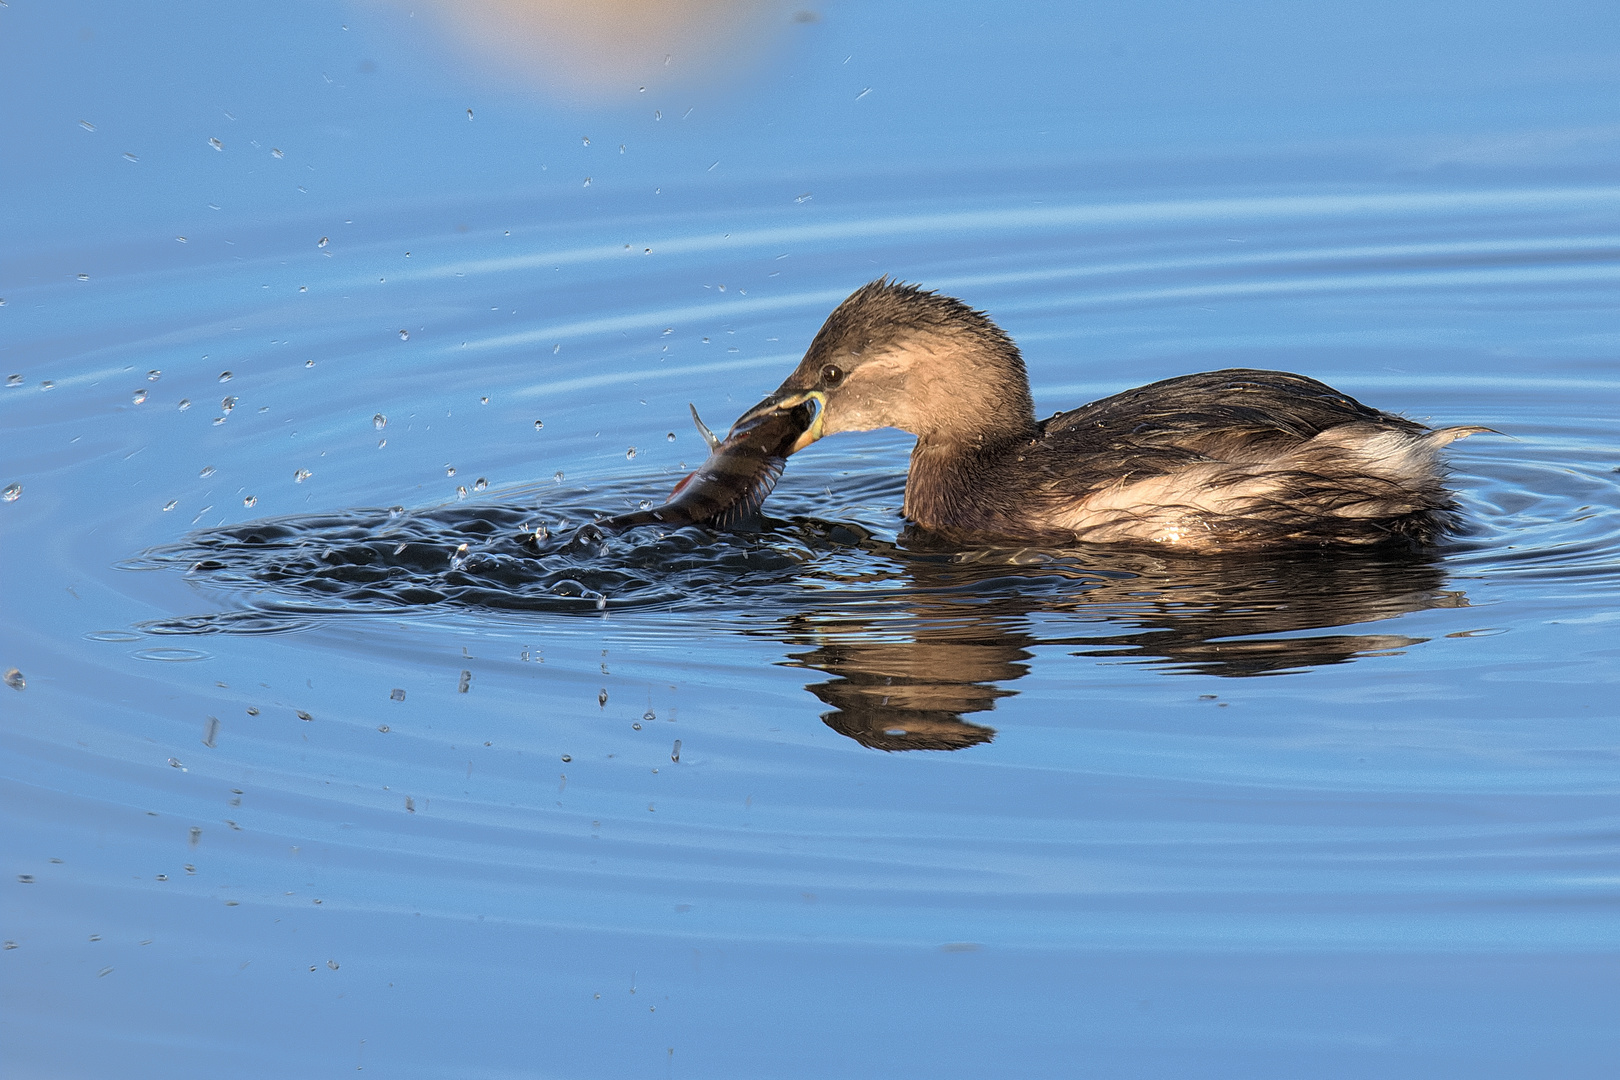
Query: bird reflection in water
point(915, 638)
point(970, 624)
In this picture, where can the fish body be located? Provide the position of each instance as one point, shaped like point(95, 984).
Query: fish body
point(741, 470)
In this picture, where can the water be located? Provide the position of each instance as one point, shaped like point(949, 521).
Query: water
point(329, 748)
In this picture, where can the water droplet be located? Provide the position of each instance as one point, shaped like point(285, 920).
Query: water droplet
point(46, 384)
point(675, 754)
point(170, 505)
point(300, 475)
point(601, 699)
point(404, 335)
point(480, 484)
point(131, 157)
point(224, 376)
point(379, 421)
point(216, 144)
point(469, 114)
point(15, 680)
point(250, 501)
point(630, 453)
point(17, 380)
point(87, 125)
point(174, 763)
point(586, 139)
point(449, 470)
point(396, 694)
point(276, 153)
point(465, 684)
point(410, 806)
point(557, 348)
point(635, 727)
point(139, 397)
point(539, 424)
point(383, 728)
point(323, 241)
point(461, 491)
point(333, 964)
point(557, 476)
point(381, 443)
point(649, 715)
point(644, 504)
point(207, 471)
point(587, 182)
point(185, 403)
point(154, 375)
point(253, 710)
point(228, 403)
point(12, 493)
point(84, 277)
point(211, 732)
point(658, 114)
point(304, 716)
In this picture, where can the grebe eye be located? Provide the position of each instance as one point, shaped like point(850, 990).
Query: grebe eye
point(832, 375)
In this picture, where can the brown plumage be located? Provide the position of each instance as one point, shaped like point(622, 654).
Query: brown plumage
point(1220, 461)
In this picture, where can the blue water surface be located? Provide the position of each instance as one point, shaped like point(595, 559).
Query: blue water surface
point(316, 761)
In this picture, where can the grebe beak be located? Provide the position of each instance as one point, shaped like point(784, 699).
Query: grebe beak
point(781, 402)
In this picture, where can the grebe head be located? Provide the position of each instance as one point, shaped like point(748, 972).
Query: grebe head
point(893, 355)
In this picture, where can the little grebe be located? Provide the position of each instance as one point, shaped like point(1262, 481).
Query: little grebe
point(1220, 461)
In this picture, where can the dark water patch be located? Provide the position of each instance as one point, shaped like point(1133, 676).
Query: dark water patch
point(915, 637)
point(479, 556)
point(502, 558)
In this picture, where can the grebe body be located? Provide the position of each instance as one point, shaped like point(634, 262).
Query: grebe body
point(1219, 461)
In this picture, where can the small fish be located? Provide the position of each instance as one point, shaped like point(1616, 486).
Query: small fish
point(740, 472)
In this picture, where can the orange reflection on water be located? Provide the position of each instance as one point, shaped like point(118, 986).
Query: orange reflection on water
point(597, 49)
